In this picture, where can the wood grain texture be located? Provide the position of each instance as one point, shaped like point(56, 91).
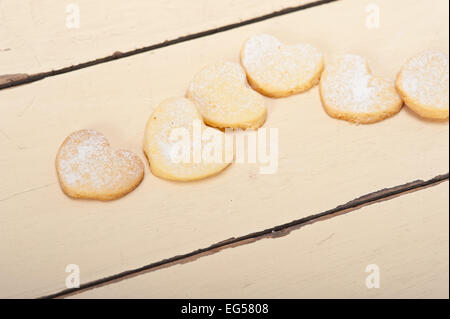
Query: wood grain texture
point(406, 237)
point(323, 162)
point(34, 37)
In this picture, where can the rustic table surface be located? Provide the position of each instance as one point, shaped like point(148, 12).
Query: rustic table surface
point(347, 198)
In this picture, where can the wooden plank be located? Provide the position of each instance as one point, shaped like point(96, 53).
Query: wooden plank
point(406, 237)
point(322, 162)
point(34, 36)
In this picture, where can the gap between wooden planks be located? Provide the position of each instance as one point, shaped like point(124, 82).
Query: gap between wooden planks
point(406, 238)
point(274, 232)
point(35, 41)
point(323, 162)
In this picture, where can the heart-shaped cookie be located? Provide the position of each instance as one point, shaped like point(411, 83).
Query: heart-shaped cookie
point(350, 92)
point(224, 98)
point(423, 84)
point(276, 70)
point(180, 147)
point(87, 167)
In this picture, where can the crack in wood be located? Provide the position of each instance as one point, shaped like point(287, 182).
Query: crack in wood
point(270, 233)
point(26, 191)
point(11, 82)
point(10, 79)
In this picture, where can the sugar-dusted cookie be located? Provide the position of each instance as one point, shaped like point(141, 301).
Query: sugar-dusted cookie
point(350, 92)
point(224, 98)
point(276, 70)
point(423, 84)
point(179, 146)
point(87, 167)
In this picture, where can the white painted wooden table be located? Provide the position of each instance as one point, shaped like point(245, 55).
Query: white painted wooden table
point(323, 162)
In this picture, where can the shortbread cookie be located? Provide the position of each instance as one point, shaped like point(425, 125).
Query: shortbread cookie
point(224, 98)
point(276, 70)
point(179, 146)
point(350, 92)
point(423, 84)
point(87, 167)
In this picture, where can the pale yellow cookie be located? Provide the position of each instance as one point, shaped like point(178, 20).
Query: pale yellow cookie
point(179, 146)
point(224, 98)
point(276, 70)
point(423, 84)
point(87, 167)
point(350, 92)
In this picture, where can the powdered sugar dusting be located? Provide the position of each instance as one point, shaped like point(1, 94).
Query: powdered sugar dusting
point(347, 85)
point(86, 163)
point(280, 67)
point(175, 114)
point(425, 78)
point(222, 94)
